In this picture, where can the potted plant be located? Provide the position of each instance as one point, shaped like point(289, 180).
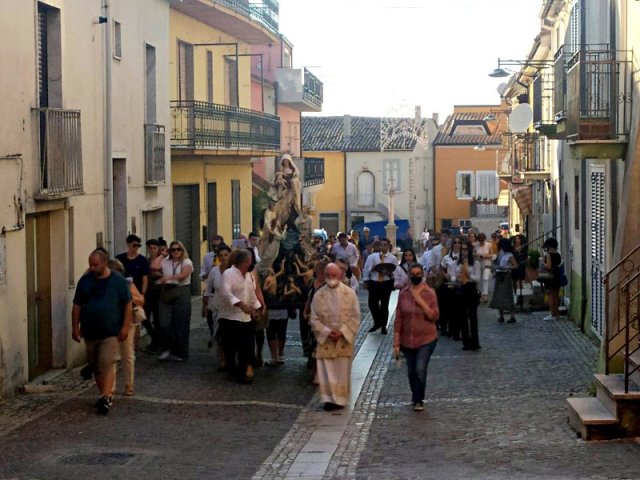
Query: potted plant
point(533, 262)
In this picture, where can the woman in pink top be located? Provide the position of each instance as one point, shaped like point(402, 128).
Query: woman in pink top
point(415, 331)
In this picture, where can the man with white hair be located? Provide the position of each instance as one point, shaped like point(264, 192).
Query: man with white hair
point(335, 319)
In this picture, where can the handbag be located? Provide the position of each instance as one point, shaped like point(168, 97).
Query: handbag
point(138, 315)
point(169, 294)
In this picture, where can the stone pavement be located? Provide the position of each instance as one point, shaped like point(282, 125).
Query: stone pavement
point(496, 413)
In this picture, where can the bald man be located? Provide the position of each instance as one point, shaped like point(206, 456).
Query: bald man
point(335, 319)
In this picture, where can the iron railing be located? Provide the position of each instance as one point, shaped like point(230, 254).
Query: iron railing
point(154, 153)
point(543, 86)
point(527, 153)
point(313, 89)
point(265, 13)
point(202, 125)
point(488, 209)
point(60, 152)
point(622, 308)
point(599, 95)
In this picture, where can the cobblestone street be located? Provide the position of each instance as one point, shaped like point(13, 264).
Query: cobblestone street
point(496, 413)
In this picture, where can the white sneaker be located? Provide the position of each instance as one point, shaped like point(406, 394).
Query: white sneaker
point(164, 355)
point(550, 317)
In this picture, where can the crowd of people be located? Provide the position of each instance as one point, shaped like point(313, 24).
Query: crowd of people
point(440, 292)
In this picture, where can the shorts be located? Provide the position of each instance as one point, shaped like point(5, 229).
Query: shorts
point(102, 354)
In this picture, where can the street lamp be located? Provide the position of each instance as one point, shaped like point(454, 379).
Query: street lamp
point(500, 72)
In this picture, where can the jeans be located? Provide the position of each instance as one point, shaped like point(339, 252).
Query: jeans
point(417, 364)
point(379, 294)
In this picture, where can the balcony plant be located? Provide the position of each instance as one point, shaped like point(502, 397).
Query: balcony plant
point(533, 262)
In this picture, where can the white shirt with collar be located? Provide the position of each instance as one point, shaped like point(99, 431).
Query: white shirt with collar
point(450, 264)
point(375, 259)
point(435, 259)
point(237, 288)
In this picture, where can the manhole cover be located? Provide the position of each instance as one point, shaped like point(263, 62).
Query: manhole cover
point(102, 458)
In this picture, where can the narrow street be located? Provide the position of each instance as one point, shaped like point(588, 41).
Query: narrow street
point(496, 413)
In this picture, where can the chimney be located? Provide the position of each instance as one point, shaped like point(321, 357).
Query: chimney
point(418, 114)
point(346, 128)
point(434, 115)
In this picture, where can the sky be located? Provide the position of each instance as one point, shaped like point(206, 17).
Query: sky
point(384, 57)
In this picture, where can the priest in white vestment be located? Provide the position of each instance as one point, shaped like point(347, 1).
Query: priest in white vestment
point(335, 319)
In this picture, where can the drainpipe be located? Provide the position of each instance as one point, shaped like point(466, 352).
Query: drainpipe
point(108, 162)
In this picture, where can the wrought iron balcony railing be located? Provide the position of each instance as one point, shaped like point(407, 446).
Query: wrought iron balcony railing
point(313, 89)
point(527, 153)
point(266, 13)
point(599, 84)
point(202, 125)
point(488, 209)
point(59, 152)
point(154, 154)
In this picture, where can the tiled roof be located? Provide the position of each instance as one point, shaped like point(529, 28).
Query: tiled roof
point(447, 137)
point(327, 134)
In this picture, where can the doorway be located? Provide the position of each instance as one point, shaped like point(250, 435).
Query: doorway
point(186, 211)
point(39, 321)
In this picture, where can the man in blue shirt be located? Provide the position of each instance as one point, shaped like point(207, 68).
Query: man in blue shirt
point(101, 314)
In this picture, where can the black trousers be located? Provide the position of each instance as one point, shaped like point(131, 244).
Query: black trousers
point(237, 339)
point(379, 294)
point(470, 315)
point(442, 293)
point(454, 310)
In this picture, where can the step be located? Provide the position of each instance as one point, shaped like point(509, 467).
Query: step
point(624, 406)
point(591, 420)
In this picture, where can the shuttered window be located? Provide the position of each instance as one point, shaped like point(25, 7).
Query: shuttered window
point(598, 252)
point(391, 173)
point(185, 71)
point(487, 185)
point(209, 76)
point(465, 185)
point(366, 189)
point(235, 209)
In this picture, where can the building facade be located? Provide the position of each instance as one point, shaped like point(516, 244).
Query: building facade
point(82, 161)
point(215, 133)
point(466, 182)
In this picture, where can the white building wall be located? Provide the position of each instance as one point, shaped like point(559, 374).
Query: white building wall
point(76, 221)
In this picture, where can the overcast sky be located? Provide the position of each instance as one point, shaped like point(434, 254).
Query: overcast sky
point(383, 57)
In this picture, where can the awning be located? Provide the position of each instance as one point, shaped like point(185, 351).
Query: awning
point(523, 195)
point(503, 198)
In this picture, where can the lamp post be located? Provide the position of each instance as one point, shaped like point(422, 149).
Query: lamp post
point(391, 229)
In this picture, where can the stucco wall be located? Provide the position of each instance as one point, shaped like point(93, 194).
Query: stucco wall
point(330, 197)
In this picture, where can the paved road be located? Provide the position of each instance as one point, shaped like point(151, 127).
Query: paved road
point(496, 413)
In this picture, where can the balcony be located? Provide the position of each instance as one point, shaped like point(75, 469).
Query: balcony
point(154, 154)
point(212, 128)
point(543, 117)
point(249, 21)
point(528, 157)
point(599, 84)
point(299, 89)
point(488, 209)
point(59, 153)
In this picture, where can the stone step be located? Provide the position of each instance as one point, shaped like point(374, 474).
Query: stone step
point(591, 420)
point(624, 406)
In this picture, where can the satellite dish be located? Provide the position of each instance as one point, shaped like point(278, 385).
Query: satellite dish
point(520, 118)
point(501, 89)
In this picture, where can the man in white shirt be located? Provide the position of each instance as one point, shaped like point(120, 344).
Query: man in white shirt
point(346, 250)
point(380, 286)
point(211, 258)
point(237, 303)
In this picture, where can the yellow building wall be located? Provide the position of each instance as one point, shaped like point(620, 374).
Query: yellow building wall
point(190, 30)
point(221, 170)
point(449, 161)
point(331, 197)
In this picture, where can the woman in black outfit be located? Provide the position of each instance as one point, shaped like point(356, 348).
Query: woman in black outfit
point(552, 261)
point(468, 274)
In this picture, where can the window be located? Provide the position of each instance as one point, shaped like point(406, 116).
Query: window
point(185, 71)
point(391, 173)
point(117, 40)
point(486, 185)
point(235, 209)
point(465, 185)
point(330, 222)
point(356, 220)
point(446, 224)
point(150, 83)
point(231, 92)
point(209, 76)
point(366, 190)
